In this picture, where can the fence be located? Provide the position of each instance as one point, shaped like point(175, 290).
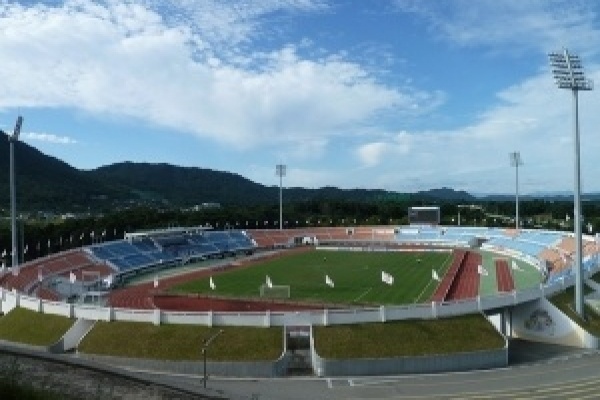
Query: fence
point(12, 299)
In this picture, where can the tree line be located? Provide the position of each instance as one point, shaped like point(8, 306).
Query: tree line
point(39, 237)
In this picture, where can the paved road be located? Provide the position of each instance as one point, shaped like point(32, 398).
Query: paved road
point(539, 372)
point(535, 371)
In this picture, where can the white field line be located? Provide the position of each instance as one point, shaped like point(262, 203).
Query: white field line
point(418, 299)
point(363, 294)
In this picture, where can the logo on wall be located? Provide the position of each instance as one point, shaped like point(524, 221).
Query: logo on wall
point(540, 321)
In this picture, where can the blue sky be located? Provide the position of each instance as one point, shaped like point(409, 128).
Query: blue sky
point(387, 94)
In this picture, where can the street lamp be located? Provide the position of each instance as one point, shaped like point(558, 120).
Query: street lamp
point(516, 161)
point(13, 208)
point(205, 345)
point(568, 74)
point(280, 171)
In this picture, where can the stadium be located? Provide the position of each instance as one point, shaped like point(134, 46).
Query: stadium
point(301, 284)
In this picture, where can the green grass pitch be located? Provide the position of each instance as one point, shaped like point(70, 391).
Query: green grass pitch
point(356, 276)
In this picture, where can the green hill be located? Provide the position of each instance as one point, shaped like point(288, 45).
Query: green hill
point(49, 184)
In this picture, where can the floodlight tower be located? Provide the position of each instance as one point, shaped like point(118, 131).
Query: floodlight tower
point(13, 208)
point(516, 161)
point(280, 171)
point(568, 74)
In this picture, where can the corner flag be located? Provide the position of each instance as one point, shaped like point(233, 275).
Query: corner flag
point(329, 281)
point(387, 278)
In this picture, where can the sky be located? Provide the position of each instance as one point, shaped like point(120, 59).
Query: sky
point(397, 95)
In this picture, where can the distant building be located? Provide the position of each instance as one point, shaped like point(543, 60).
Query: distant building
point(205, 206)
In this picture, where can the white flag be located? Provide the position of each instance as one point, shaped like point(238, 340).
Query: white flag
point(156, 281)
point(387, 278)
point(40, 275)
point(269, 282)
point(212, 283)
point(72, 277)
point(434, 275)
point(481, 270)
point(329, 281)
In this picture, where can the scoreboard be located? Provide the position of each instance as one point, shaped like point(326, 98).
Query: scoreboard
point(424, 215)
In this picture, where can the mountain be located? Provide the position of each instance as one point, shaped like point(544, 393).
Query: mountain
point(49, 184)
point(445, 194)
point(191, 185)
point(183, 185)
point(44, 181)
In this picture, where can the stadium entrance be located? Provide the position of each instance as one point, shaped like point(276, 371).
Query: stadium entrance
point(297, 342)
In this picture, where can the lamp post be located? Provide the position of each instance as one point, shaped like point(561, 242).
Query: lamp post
point(280, 171)
point(205, 345)
point(516, 161)
point(568, 74)
point(13, 208)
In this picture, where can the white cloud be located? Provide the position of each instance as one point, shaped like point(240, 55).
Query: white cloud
point(533, 117)
point(374, 153)
point(48, 137)
point(122, 59)
point(516, 25)
point(230, 23)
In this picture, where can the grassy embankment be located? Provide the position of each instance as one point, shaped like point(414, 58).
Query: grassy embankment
point(183, 342)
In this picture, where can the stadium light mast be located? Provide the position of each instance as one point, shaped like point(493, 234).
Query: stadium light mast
point(516, 161)
point(280, 171)
point(568, 74)
point(13, 201)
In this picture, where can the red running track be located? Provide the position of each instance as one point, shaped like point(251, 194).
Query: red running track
point(441, 292)
point(504, 277)
point(466, 283)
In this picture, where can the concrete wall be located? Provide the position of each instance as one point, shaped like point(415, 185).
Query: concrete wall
point(11, 299)
point(263, 369)
point(541, 321)
point(410, 365)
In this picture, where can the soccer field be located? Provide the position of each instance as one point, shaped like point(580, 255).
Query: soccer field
point(356, 277)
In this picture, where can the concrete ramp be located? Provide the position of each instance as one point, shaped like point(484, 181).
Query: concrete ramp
point(72, 337)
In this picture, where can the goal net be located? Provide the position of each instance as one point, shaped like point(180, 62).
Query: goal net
point(90, 278)
point(275, 291)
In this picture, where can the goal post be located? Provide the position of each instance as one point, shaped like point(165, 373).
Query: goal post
point(90, 278)
point(275, 291)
